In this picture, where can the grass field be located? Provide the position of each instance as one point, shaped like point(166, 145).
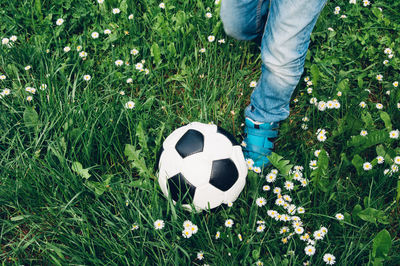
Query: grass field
point(90, 90)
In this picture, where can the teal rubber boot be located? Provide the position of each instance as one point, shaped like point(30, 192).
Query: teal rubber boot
point(259, 142)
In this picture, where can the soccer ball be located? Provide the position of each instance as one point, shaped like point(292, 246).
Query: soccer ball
point(201, 165)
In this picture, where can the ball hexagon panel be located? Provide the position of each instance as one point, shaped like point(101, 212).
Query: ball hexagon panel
point(173, 138)
point(206, 195)
point(197, 169)
point(223, 174)
point(190, 143)
point(181, 189)
point(217, 146)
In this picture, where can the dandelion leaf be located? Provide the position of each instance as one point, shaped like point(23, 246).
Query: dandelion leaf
point(77, 167)
point(381, 244)
point(137, 161)
point(282, 165)
point(386, 119)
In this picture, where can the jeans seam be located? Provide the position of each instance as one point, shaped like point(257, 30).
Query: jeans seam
point(258, 15)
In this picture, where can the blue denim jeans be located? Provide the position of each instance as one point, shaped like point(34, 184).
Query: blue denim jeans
point(284, 28)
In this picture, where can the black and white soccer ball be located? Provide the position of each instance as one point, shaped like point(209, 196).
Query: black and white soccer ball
point(201, 165)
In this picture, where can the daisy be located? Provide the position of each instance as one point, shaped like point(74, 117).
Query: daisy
point(87, 77)
point(363, 133)
point(339, 93)
point(313, 164)
point(284, 230)
point(107, 31)
point(321, 137)
point(139, 66)
point(95, 35)
point(221, 41)
point(6, 92)
point(2, 77)
point(217, 235)
point(130, 17)
point(322, 106)
point(362, 104)
point(200, 255)
point(380, 159)
point(277, 190)
point(304, 126)
point(187, 224)
point(135, 227)
point(259, 263)
point(367, 166)
point(240, 237)
point(396, 160)
point(287, 198)
point(119, 62)
point(159, 224)
point(202, 50)
point(29, 98)
point(253, 84)
point(122, 93)
point(129, 80)
point(339, 216)
point(309, 90)
point(229, 223)
point(305, 237)
point(266, 188)
point(260, 228)
point(229, 204)
point(116, 11)
point(261, 201)
point(13, 38)
point(299, 230)
point(270, 178)
point(134, 52)
point(79, 48)
point(394, 134)
point(318, 235)
point(257, 170)
point(161, 5)
point(187, 233)
point(301, 210)
point(194, 228)
point(366, 2)
point(304, 182)
point(129, 105)
point(28, 67)
point(329, 258)
point(208, 15)
point(100, 1)
point(309, 250)
point(82, 54)
point(379, 106)
point(289, 185)
point(67, 49)
point(59, 22)
point(211, 38)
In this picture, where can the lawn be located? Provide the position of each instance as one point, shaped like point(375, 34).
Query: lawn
point(90, 89)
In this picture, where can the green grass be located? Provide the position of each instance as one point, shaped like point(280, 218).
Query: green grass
point(54, 213)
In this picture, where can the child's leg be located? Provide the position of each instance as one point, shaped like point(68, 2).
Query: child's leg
point(244, 19)
point(283, 50)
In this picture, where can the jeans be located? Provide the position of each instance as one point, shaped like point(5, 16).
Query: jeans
point(284, 28)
